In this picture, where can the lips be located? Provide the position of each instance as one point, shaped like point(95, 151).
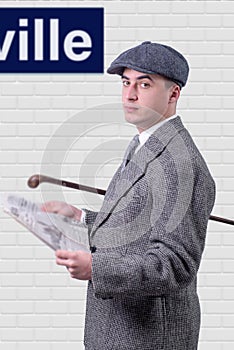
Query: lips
point(130, 108)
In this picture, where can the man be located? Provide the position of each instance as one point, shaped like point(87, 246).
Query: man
point(148, 238)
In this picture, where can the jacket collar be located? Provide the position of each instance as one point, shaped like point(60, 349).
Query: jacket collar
point(136, 168)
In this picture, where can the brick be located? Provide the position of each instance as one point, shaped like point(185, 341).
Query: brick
point(219, 334)
point(211, 321)
point(218, 252)
point(132, 21)
point(14, 279)
point(209, 293)
point(227, 20)
point(7, 266)
point(16, 143)
point(152, 33)
point(170, 21)
point(116, 7)
point(70, 321)
point(10, 116)
point(205, 75)
point(213, 157)
point(8, 102)
point(154, 7)
point(50, 307)
point(67, 102)
point(221, 307)
point(204, 102)
point(8, 130)
point(35, 345)
point(78, 345)
point(224, 170)
point(219, 61)
point(206, 20)
point(205, 129)
point(194, 34)
point(32, 293)
point(17, 307)
point(219, 143)
point(17, 335)
point(208, 266)
point(34, 266)
point(51, 89)
point(7, 293)
point(34, 102)
point(121, 34)
point(227, 49)
point(219, 34)
point(187, 7)
point(228, 102)
point(84, 89)
point(49, 116)
point(39, 321)
point(224, 7)
point(228, 74)
point(8, 321)
point(219, 89)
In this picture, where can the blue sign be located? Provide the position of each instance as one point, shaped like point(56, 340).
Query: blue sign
point(51, 40)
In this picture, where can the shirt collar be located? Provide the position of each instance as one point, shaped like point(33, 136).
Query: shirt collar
point(144, 135)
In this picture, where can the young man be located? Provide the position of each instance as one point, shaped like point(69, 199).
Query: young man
point(148, 238)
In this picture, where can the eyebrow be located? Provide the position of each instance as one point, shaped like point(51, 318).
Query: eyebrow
point(138, 78)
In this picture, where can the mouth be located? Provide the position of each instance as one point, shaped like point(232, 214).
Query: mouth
point(129, 108)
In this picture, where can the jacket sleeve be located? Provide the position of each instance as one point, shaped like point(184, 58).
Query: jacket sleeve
point(90, 216)
point(172, 257)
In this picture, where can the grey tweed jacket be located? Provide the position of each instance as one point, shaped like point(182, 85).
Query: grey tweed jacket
point(149, 237)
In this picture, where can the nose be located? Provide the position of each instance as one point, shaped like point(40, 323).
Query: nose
point(131, 94)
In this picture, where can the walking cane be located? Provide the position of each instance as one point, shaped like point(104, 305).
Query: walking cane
point(35, 180)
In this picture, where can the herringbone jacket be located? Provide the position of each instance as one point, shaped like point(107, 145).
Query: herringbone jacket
point(149, 237)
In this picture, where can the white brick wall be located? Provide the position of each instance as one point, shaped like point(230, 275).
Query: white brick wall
point(40, 306)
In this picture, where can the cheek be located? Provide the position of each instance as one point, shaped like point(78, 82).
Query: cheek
point(158, 103)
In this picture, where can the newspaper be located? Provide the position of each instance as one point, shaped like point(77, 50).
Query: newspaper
point(57, 231)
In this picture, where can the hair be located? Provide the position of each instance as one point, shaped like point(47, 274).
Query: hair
point(169, 83)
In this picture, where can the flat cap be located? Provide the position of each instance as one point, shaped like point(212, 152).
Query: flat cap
point(153, 58)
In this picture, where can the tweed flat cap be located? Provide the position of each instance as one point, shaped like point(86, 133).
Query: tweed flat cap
point(153, 58)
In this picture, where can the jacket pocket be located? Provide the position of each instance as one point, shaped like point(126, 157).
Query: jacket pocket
point(138, 323)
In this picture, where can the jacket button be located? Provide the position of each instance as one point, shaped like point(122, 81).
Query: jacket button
point(107, 298)
point(93, 249)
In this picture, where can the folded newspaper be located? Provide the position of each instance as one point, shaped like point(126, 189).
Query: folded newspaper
point(57, 231)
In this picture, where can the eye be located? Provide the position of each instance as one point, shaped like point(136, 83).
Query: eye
point(125, 82)
point(145, 85)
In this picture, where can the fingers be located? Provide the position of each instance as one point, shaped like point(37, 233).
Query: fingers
point(57, 207)
point(66, 258)
point(65, 254)
point(78, 263)
point(62, 208)
point(52, 206)
point(69, 260)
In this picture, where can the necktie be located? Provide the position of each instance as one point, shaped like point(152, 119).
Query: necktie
point(130, 150)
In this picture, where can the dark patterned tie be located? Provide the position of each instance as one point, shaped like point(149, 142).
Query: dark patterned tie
point(130, 150)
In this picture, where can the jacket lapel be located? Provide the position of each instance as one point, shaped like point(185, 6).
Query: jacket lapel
point(123, 180)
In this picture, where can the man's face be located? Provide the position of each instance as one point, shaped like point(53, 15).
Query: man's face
point(146, 98)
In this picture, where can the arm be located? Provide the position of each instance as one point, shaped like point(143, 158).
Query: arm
point(173, 256)
point(68, 210)
point(62, 208)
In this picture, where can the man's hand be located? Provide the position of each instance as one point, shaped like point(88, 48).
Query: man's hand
point(62, 208)
point(78, 263)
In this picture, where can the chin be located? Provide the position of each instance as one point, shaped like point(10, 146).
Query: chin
point(132, 118)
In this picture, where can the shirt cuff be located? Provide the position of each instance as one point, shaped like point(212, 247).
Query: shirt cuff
point(83, 216)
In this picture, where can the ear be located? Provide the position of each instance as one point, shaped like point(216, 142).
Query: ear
point(174, 93)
